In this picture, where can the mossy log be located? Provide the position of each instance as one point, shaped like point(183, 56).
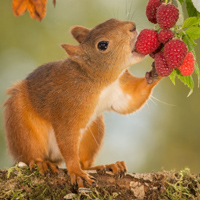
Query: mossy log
point(20, 183)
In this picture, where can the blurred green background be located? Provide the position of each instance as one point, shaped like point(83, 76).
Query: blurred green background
point(165, 133)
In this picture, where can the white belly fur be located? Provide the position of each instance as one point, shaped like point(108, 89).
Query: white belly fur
point(111, 98)
point(54, 151)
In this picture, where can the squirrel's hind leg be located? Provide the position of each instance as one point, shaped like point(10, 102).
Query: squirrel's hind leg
point(43, 165)
point(26, 131)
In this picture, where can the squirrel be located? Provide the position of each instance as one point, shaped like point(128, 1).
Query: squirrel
point(55, 115)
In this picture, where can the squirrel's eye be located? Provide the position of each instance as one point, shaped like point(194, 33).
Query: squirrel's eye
point(103, 45)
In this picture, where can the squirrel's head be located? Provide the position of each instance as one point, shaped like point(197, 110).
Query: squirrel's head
point(108, 45)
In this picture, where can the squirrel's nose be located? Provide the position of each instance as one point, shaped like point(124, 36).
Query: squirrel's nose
point(129, 26)
point(133, 28)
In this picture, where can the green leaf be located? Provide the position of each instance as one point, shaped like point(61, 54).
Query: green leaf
point(192, 11)
point(186, 80)
point(193, 32)
point(181, 1)
point(191, 21)
point(190, 43)
point(197, 71)
point(172, 76)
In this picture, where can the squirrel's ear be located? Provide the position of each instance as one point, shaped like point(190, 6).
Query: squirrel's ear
point(79, 33)
point(73, 51)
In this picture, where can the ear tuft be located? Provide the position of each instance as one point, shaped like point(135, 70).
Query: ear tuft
point(65, 46)
point(79, 33)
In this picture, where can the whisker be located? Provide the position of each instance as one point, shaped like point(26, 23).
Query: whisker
point(113, 11)
point(137, 12)
point(107, 12)
point(152, 101)
point(130, 10)
point(126, 12)
point(116, 5)
point(161, 101)
point(148, 107)
point(117, 12)
point(133, 14)
point(93, 136)
point(134, 11)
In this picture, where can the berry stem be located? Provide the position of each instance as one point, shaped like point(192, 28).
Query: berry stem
point(177, 32)
point(175, 28)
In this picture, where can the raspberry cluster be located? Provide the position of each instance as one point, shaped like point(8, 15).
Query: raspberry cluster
point(168, 51)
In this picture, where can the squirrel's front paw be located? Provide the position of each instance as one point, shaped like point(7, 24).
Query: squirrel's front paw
point(152, 76)
point(78, 177)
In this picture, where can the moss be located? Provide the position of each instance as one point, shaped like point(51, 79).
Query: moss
point(182, 185)
point(20, 183)
point(23, 184)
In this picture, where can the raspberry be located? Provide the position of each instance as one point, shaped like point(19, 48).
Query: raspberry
point(161, 65)
point(167, 16)
point(175, 52)
point(147, 41)
point(187, 67)
point(153, 54)
point(165, 35)
point(151, 10)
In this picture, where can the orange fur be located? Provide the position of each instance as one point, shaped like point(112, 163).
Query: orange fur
point(25, 129)
point(55, 114)
point(137, 88)
point(93, 138)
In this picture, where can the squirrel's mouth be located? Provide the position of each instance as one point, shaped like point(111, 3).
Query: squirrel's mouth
point(132, 44)
point(134, 52)
point(133, 47)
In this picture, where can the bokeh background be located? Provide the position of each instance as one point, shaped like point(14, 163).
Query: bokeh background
point(164, 134)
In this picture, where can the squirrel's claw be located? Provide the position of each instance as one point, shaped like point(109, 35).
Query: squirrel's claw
point(44, 166)
point(100, 169)
point(152, 76)
point(77, 180)
point(119, 169)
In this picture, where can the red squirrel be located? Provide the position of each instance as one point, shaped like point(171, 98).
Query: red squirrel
point(55, 115)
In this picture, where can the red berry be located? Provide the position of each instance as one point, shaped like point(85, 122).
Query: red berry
point(151, 10)
point(147, 41)
point(161, 65)
point(153, 54)
point(175, 52)
point(165, 35)
point(187, 67)
point(167, 16)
